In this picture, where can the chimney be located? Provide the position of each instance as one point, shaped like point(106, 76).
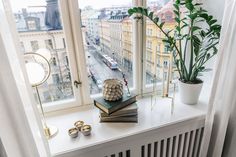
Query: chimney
point(52, 16)
point(24, 12)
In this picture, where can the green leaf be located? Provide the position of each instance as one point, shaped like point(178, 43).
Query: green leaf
point(204, 16)
point(130, 12)
point(198, 4)
point(135, 9)
point(176, 6)
point(192, 16)
point(166, 41)
point(177, 20)
point(150, 15)
point(215, 50)
point(162, 24)
point(178, 28)
point(155, 20)
point(194, 28)
point(140, 10)
point(208, 56)
point(177, 2)
point(176, 13)
point(210, 18)
point(212, 22)
point(189, 6)
point(145, 11)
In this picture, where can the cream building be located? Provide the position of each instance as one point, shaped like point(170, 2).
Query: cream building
point(33, 35)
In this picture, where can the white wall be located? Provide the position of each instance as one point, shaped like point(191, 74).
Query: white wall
point(215, 7)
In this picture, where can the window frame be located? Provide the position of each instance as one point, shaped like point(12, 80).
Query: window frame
point(77, 59)
point(61, 104)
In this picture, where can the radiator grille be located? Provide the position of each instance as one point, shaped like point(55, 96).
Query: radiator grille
point(121, 154)
point(182, 145)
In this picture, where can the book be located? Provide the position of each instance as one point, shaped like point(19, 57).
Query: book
point(129, 110)
point(121, 115)
point(112, 106)
point(127, 119)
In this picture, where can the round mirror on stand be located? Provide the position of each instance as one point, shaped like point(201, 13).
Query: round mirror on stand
point(38, 70)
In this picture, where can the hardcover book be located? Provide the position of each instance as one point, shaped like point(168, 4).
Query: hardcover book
point(127, 119)
point(112, 106)
point(129, 110)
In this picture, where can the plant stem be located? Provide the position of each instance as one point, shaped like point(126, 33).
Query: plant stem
point(191, 54)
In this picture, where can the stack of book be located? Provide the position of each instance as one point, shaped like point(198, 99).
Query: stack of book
point(123, 110)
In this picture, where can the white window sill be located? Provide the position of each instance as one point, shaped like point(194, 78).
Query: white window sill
point(102, 133)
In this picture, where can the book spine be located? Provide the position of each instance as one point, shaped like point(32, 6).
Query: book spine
point(95, 104)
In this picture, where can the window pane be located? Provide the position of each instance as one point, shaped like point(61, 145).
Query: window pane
point(40, 28)
point(157, 53)
point(107, 33)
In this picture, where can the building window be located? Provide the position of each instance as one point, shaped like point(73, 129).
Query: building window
point(31, 25)
point(166, 48)
point(64, 43)
point(158, 48)
point(54, 61)
point(49, 44)
point(34, 45)
point(22, 46)
point(149, 32)
point(55, 78)
point(165, 64)
point(149, 44)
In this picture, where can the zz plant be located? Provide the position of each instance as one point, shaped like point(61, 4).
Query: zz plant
point(192, 45)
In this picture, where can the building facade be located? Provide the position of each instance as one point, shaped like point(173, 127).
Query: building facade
point(35, 35)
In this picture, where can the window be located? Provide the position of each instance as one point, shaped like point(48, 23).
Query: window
point(31, 25)
point(165, 64)
point(49, 44)
point(149, 44)
point(107, 33)
point(64, 43)
point(34, 45)
point(55, 78)
point(158, 48)
point(40, 27)
point(108, 45)
point(166, 48)
point(22, 46)
point(54, 61)
point(149, 32)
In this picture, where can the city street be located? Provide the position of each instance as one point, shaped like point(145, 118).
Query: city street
point(101, 71)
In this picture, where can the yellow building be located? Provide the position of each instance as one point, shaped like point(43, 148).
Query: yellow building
point(104, 34)
point(156, 51)
point(116, 41)
point(127, 43)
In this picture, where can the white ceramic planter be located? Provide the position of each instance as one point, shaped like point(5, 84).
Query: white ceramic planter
point(189, 93)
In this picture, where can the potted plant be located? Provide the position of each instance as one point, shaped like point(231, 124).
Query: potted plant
point(191, 45)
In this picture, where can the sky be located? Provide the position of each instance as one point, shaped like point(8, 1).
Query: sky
point(96, 4)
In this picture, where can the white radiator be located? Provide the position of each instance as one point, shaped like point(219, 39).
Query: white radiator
point(182, 139)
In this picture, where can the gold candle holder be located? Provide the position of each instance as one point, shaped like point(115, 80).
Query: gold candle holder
point(73, 132)
point(79, 124)
point(86, 130)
